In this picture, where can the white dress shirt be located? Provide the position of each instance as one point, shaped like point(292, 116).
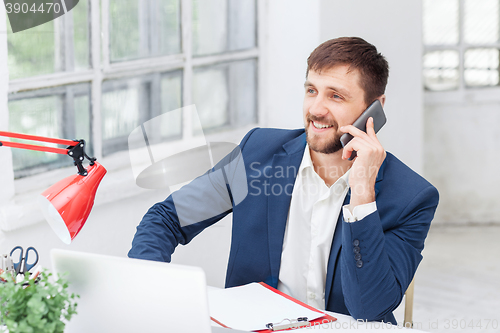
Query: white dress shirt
point(312, 217)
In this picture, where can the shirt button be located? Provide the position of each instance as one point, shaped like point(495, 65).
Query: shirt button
point(312, 295)
point(359, 264)
point(355, 242)
point(356, 249)
point(357, 256)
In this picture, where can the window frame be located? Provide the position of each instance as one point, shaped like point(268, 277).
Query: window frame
point(101, 68)
point(463, 91)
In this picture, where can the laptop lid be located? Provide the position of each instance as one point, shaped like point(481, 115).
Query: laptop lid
point(132, 295)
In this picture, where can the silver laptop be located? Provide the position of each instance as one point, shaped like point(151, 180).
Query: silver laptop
point(131, 295)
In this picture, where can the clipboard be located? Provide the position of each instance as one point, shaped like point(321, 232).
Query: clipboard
point(322, 318)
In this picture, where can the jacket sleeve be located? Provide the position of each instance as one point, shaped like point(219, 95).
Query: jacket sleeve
point(377, 265)
point(191, 209)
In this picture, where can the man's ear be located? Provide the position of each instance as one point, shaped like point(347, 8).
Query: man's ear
point(381, 98)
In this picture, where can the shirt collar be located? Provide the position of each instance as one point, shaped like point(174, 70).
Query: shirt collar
point(307, 163)
point(306, 160)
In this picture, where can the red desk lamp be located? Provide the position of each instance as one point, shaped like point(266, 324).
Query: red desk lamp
point(66, 205)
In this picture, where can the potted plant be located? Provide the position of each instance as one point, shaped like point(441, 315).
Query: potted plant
point(35, 305)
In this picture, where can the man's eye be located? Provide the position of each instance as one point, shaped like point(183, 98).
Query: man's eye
point(335, 96)
point(310, 91)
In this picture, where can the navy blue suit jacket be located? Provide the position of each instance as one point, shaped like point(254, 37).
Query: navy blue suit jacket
point(389, 241)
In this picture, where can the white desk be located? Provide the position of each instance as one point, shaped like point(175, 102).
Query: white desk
point(344, 323)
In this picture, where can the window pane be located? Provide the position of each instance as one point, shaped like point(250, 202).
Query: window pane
point(242, 30)
point(143, 28)
point(210, 95)
point(35, 116)
point(81, 34)
point(481, 21)
point(169, 23)
point(440, 22)
point(123, 29)
point(234, 28)
point(209, 34)
point(125, 105)
point(481, 67)
point(171, 96)
point(76, 116)
point(33, 52)
point(243, 92)
point(441, 70)
point(226, 94)
point(129, 103)
point(42, 50)
point(82, 119)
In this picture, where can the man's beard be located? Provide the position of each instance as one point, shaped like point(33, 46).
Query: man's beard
point(331, 145)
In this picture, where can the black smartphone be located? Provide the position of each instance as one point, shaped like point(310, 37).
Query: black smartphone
point(375, 111)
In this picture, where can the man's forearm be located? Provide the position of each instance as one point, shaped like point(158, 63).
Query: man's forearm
point(362, 194)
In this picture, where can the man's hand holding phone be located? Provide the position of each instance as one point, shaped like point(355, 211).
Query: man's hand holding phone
point(370, 156)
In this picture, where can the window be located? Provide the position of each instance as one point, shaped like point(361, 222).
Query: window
point(462, 44)
point(107, 66)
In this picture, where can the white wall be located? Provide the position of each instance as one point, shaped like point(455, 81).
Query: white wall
point(394, 27)
point(462, 157)
point(291, 34)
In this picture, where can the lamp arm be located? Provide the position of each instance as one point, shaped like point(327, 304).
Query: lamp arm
point(75, 149)
point(39, 138)
point(62, 151)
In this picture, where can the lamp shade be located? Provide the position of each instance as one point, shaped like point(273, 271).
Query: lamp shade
point(66, 205)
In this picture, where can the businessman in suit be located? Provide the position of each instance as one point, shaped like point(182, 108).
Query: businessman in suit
point(341, 235)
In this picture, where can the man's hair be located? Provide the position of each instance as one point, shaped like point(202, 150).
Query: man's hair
point(358, 54)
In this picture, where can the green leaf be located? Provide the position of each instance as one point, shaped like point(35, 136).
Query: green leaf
point(38, 307)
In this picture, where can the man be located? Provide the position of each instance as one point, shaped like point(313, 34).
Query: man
point(341, 235)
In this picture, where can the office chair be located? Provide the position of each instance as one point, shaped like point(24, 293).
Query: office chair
point(408, 319)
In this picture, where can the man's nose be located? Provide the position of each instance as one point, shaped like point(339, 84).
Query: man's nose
point(318, 108)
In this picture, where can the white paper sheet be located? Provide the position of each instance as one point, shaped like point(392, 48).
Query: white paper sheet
point(252, 306)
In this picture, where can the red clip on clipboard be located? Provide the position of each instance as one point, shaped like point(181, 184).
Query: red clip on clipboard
point(325, 318)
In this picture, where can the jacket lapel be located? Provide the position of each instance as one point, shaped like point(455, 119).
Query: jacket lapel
point(335, 250)
point(285, 170)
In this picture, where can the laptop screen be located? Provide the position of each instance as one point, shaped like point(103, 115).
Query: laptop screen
point(132, 295)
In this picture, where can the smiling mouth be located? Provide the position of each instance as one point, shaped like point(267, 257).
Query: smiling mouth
point(321, 126)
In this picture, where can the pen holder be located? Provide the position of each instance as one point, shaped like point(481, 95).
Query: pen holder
point(6, 264)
